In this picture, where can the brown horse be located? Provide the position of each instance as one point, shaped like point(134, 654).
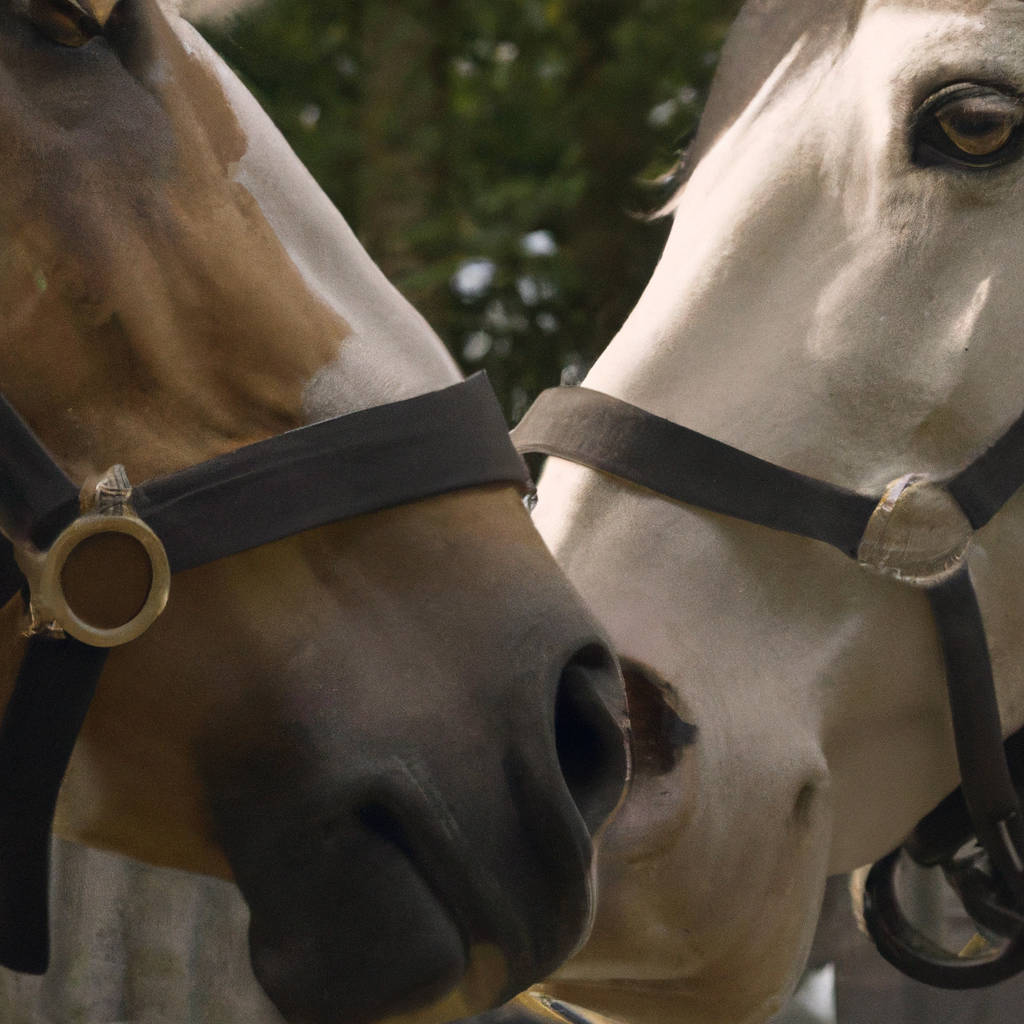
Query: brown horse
point(397, 733)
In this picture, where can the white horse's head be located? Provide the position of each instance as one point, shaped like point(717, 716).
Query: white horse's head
point(383, 729)
point(842, 294)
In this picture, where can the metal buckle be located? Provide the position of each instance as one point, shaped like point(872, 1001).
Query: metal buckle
point(918, 533)
point(106, 577)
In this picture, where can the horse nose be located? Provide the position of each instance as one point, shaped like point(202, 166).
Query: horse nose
point(590, 734)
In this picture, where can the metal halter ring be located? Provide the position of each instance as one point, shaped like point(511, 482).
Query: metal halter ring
point(106, 577)
point(917, 956)
point(917, 533)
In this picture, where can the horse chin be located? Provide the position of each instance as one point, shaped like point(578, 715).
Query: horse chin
point(320, 962)
point(681, 966)
point(670, 1002)
point(311, 984)
point(480, 989)
point(376, 924)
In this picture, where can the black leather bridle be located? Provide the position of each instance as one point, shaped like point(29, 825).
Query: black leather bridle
point(318, 474)
point(919, 532)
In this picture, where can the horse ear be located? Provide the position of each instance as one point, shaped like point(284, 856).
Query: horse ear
point(763, 33)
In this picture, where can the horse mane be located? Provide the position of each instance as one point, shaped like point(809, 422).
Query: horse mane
point(763, 33)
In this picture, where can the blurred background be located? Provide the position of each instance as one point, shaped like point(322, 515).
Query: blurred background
point(499, 159)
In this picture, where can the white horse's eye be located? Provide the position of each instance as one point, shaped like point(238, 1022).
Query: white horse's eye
point(968, 125)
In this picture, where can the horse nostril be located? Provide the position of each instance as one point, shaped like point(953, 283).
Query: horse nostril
point(589, 736)
point(385, 824)
point(660, 737)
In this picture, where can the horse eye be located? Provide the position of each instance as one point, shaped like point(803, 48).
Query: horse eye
point(69, 22)
point(968, 126)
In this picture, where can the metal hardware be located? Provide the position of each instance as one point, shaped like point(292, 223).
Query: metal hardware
point(916, 955)
point(917, 534)
point(106, 577)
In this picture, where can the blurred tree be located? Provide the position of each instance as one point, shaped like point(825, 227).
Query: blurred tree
point(494, 156)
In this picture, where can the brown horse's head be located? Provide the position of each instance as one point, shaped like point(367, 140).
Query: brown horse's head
point(396, 733)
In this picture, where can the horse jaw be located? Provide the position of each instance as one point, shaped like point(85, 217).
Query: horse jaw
point(826, 305)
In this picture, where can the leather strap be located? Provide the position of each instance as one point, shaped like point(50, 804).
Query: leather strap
point(988, 790)
point(605, 433)
point(989, 482)
point(342, 467)
point(365, 461)
point(361, 462)
point(53, 691)
point(37, 499)
point(11, 577)
point(941, 832)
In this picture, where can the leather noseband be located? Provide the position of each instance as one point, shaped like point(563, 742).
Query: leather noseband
point(919, 532)
point(52, 533)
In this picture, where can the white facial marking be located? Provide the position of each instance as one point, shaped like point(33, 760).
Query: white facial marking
point(391, 352)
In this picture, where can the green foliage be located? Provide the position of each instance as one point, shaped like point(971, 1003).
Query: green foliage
point(494, 156)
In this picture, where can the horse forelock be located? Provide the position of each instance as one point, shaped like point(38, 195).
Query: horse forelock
point(764, 32)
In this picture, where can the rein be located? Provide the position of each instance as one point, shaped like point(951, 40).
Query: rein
point(919, 532)
point(95, 567)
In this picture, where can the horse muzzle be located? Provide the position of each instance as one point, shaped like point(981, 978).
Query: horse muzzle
point(423, 882)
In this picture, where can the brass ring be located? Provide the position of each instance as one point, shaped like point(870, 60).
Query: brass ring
point(51, 595)
point(918, 533)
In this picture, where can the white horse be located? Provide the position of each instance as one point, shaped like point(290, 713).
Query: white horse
point(841, 295)
point(382, 729)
